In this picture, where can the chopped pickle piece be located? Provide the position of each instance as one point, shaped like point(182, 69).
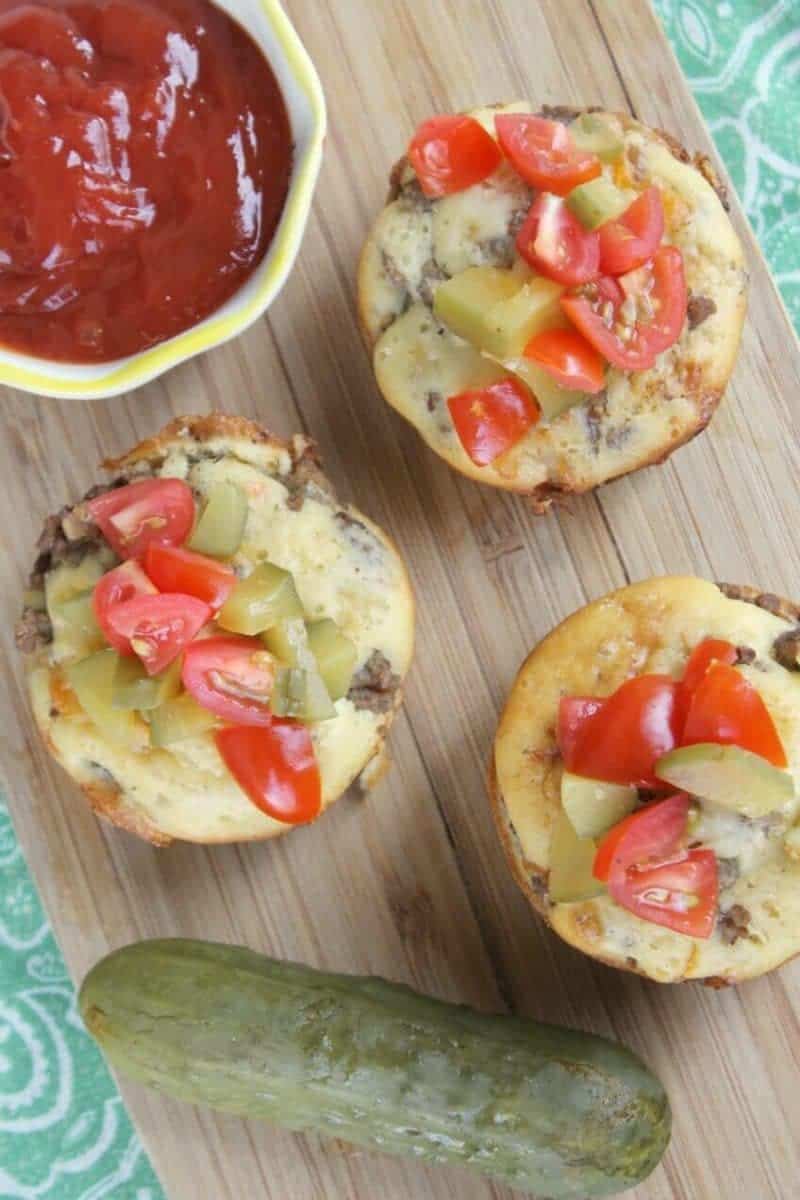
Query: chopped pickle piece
point(728, 777)
point(301, 694)
point(463, 302)
point(593, 806)
point(495, 311)
point(266, 596)
point(288, 641)
point(594, 134)
point(134, 688)
point(335, 654)
point(598, 201)
point(92, 681)
point(180, 718)
point(571, 862)
point(220, 528)
point(553, 400)
point(65, 582)
point(75, 628)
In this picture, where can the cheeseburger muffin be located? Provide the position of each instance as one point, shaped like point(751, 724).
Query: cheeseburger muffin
point(552, 300)
point(645, 776)
point(215, 645)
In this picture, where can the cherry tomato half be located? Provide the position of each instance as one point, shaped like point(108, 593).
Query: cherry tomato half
point(174, 569)
point(705, 652)
point(152, 510)
point(491, 420)
point(631, 321)
point(681, 895)
point(573, 711)
point(649, 835)
point(634, 237)
point(543, 152)
point(569, 359)
point(555, 243)
point(276, 767)
point(158, 627)
point(116, 587)
point(728, 710)
point(451, 153)
point(622, 740)
point(232, 677)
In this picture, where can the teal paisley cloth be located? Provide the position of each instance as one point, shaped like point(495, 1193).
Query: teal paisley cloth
point(64, 1134)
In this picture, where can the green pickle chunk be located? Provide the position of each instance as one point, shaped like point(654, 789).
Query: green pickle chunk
point(92, 681)
point(598, 201)
point(496, 311)
point(571, 862)
point(266, 597)
point(132, 687)
point(335, 654)
point(288, 641)
point(179, 718)
point(593, 133)
point(220, 528)
point(301, 694)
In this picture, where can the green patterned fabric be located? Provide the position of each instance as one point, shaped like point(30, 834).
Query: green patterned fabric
point(63, 1132)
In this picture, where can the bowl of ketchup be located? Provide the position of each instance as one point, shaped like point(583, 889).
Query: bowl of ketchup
point(157, 165)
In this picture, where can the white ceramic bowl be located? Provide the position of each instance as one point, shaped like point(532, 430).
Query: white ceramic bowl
point(271, 29)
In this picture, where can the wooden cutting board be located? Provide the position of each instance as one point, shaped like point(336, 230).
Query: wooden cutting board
point(411, 883)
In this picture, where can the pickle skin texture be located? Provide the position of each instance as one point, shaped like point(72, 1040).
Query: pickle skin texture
point(560, 1113)
point(220, 527)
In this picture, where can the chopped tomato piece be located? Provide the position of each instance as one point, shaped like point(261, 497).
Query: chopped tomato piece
point(632, 321)
point(555, 243)
point(569, 358)
point(573, 711)
point(681, 895)
point(705, 652)
point(622, 740)
point(544, 153)
point(632, 239)
point(451, 153)
point(232, 677)
point(153, 510)
point(650, 835)
point(491, 420)
point(728, 710)
point(276, 767)
point(174, 569)
point(158, 627)
point(115, 587)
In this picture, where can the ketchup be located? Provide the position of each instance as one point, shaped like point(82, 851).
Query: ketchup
point(145, 155)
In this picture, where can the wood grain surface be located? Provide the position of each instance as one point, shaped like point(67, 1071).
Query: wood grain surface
point(411, 883)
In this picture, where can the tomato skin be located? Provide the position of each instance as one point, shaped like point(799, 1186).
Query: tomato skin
point(174, 569)
point(651, 834)
point(159, 627)
point(681, 895)
point(728, 710)
point(276, 767)
point(705, 652)
point(573, 711)
point(635, 726)
point(491, 420)
point(242, 663)
point(569, 358)
point(553, 241)
point(633, 238)
point(152, 510)
point(543, 152)
point(658, 291)
point(115, 587)
point(451, 153)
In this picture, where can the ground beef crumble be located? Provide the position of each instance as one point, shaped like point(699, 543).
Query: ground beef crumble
point(374, 685)
point(699, 309)
point(786, 649)
point(734, 923)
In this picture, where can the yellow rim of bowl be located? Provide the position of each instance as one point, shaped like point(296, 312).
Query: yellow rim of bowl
point(149, 363)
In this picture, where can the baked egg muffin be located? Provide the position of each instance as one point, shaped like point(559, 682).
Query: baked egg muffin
point(215, 644)
point(645, 780)
point(552, 299)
